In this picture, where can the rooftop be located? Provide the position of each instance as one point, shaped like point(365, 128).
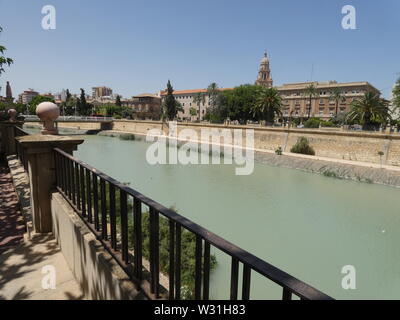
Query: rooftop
point(192, 91)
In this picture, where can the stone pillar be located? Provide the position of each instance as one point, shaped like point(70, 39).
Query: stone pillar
point(8, 136)
point(41, 167)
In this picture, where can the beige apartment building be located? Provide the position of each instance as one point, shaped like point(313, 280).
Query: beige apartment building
point(187, 99)
point(27, 96)
point(99, 92)
point(296, 104)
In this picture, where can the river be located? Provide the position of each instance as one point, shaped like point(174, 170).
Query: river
point(305, 224)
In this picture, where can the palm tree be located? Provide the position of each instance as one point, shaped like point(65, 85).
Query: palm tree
point(213, 93)
point(199, 98)
point(310, 92)
point(369, 109)
point(336, 95)
point(268, 104)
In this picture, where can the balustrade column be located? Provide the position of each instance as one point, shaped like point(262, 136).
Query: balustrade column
point(41, 166)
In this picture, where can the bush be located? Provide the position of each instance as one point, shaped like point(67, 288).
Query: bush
point(278, 151)
point(312, 123)
point(302, 146)
point(127, 136)
point(328, 124)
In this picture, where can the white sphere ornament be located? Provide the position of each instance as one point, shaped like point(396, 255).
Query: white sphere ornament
point(48, 112)
point(13, 115)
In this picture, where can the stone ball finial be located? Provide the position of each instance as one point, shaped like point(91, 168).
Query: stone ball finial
point(48, 112)
point(13, 115)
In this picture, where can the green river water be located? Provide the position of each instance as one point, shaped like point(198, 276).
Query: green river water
point(305, 224)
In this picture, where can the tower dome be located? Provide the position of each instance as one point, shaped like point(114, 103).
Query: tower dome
point(264, 73)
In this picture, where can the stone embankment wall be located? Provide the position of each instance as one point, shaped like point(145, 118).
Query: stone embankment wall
point(84, 125)
point(355, 146)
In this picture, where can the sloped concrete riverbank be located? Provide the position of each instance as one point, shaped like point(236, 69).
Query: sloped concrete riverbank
point(335, 168)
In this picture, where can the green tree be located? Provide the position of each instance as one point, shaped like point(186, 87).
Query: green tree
point(118, 101)
point(238, 103)
point(337, 96)
point(3, 59)
point(83, 108)
point(396, 95)
point(310, 92)
point(199, 98)
point(268, 105)
point(36, 100)
point(369, 111)
point(170, 105)
point(193, 111)
point(67, 106)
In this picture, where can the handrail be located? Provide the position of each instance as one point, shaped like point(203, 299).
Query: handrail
point(71, 118)
point(21, 153)
point(289, 283)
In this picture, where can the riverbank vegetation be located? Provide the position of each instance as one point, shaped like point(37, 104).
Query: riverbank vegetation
point(302, 146)
point(188, 243)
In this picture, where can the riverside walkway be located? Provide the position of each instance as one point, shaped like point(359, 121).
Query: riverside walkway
point(24, 263)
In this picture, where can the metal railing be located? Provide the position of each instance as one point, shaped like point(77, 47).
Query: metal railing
point(119, 222)
point(21, 153)
point(71, 118)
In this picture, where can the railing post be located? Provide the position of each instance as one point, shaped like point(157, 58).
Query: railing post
point(8, 136)
point(41, 165)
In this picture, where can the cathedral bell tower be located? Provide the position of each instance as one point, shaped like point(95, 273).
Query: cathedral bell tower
point(264, 73)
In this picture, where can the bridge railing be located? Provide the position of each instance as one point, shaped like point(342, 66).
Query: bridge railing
point(21, 152)
point(71, 118)
point(115, 214)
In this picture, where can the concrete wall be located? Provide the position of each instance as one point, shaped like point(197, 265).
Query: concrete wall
point(84, 125)
point(93, 267)
point(356, 146)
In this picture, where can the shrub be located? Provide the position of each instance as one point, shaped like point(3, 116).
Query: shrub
point(278, 151)
point(302, 146)
point(329, 124)
point(127, 136)
point(312, 123)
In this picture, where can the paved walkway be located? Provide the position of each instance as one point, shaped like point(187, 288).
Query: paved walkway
point(12, 227)
point(26, 265)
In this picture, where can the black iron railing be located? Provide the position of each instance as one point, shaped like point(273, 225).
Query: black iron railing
point(21, 153)
point(117, 223)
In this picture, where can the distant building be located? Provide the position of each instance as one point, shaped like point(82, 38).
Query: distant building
point(144, 106)
point(99, 92)
point(27, 96)
point(49, 95)
point(186, 99)
point(296, 103)
point(9, 96)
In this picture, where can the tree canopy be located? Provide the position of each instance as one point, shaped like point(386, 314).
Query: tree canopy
point(369, 111)
point(36, 100)
point(170, 105)
point(396, 95)
point(3, 59)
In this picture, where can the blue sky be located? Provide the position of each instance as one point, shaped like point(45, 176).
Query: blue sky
point(136, 46)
